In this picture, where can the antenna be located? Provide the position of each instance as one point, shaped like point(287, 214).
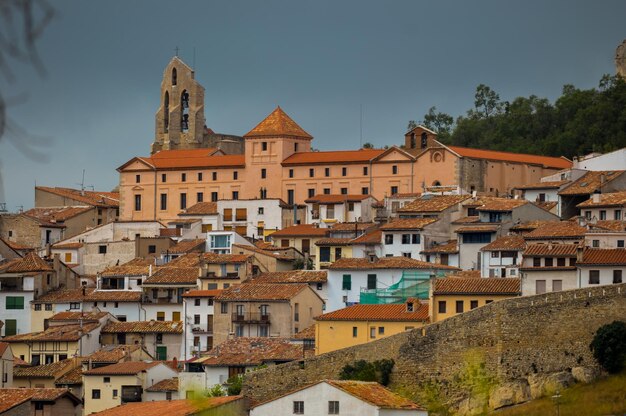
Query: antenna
point(83, 186)
point(361, 126)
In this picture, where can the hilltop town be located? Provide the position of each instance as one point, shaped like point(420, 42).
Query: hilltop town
point(240, 275)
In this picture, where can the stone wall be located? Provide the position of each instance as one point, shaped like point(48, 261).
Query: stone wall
point(517, 338)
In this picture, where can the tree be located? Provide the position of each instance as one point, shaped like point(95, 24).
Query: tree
point(411, 126)
point(439, 122)
point(609, 346)
point(235, 383)
point(379, 371)
point(368, 145)
point(215, 391)
point(486, 102)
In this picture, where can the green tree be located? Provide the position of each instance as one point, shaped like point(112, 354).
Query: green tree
point(438, 122)
point(379, 371)
point(235, 383)
point(609, 346)
point(368, 145)
point(215, 391)
point(486, 102)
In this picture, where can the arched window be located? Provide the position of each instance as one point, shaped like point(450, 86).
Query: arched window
point(436, 183)
point(184, 106)
point(424, 140)
point(412, 140)
point(184, 99)
point(166, 111)
point(174, 76)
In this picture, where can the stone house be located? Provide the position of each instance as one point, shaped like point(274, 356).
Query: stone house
point(302, 237)
point(225, 405)
point(106, 203)
point(446, 253)
point(316, 279)
point(605, 206)
point(163, 292)
point(35, 401)
point(584, 187)
point(269, 258)
point(446, 208)
point(161, 339)
point(163, 390)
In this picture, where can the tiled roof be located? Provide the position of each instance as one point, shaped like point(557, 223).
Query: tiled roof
point(123, 368)
point(551, 250)
point(251, 351)
point(612, 225)
point(144, 327)
point(46, 371)
point(434, 203)
point(351, 226)
point(389, 312)
point(11, 397)
point(306, 333)
point(543, 185)
point(261, 291)
point(55, 216)
point(186, 246)
point(278, 124)
point(114, 295)
point(374, 237)
point(201, 208)
point(214, 258)
point(336, 156)
point(301, 230)
point(603, 257)
point(67, 246)
point(135, 267)
point(202, 293)
point(449, 247)
point(473, 286)
point(55, 333)
point(530, 225)
point(334, 242)
point(386, 263)
point(325, 199)
point(502, 204)
point(168, 407)
point(590, 182)
point(547, 161)
point(3, 347)
point(560, 230)
point(375, 394)
point(477, 229)
point(612, 199)
point(95, 198)
point(174, 275)
point(547, 205)
point(15, 246)
point(280, 253)
point(470, 274)
point(111, 354)
point(31, 262)
point(408, 224)
point(407, 195)
point(170, 384)
point(509, 242)
point(75, 316)
point(467, 220)
point(72, 377)
point(293, 276)
point(196, 158)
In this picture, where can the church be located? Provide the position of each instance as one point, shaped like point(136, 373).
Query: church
point(189, 163)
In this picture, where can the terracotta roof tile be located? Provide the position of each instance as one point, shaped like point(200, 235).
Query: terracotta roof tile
point(280, 253)
point(174, 275)
point(330, 157)
point(326, 199)
point(91, 316)
point(590, 182)
point(530, 225)
point(551, 250)
point(408, 224)
point(560, 230)
point(543, 185)
point(144, 327)
point(11, 397)
point(473, 286)
point(251, 351)
point(292, 276)
point(351, 226)
point(123, 368)
point(612, 225)
point(3, 347)
point(612, 199)
point(195, 158)
point(170, 384)
point(186, 246)
point(201, 208)
point(449, 247)
point(214, 258)
point(114, 295)
point(433, 203)
point(386, 263)
point(302, 230)
point(67, 246)
point(202, 293)
point(477, 229)
point(168, 407)
point(306, 333)
point(95, 198)
point(502, 204)
point(31, 262)
point(547, 205)
point(55, 333)
point(603, 257)
point(15, 246)
point(334, 242)
point(71, 378)
point(135, 267)
point(373, 237)
point(470, 274)
point(389, 312)
point(111, 354)
point(467, 220)
point(278, 124)
point(375, 394)
point(547, 161)
point(55, 216)
point(46, 371)
point(509, 242)
point(261, 291)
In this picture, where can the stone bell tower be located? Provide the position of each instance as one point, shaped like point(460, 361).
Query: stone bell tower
point(180, 122)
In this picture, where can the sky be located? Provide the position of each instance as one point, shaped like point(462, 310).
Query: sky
point(322, 61)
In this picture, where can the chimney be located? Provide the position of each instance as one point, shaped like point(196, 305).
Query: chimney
point(595, 198)
point(150, 270)
point(579, 253)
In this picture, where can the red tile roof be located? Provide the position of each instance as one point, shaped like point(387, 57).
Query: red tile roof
point(51, 370)
point(373, 237)
point(11, 397)
point(280, 253)
point(390, 312)
point(543, 185)
point(3, 347)
point(334, 242)
point(502, 204)
point(195, 158)
point(135, 267)
point(351, 226)
point(332, 157)
point(546, 161)
point(201, 208)
point(302, 230)
point(144, 327)
point(75, 316)
point(278, 124)
point(611, 225)
point(449, 247)
point(551, 250)
point(31, 262)
point(590, 182)
point(261, 292)
point(292, 276)
point(95, 198)
point(123, 368)
point(612, 199)
point(386, 263)
point(111, 354)
point(306, 333)
point(603, 257)
point(55, 333)
point(202, 293)
point(174, 276)
point(408, 224)
point(67, 246)
point(375, 394)
point(557, 230)
point(477, 229)
point(467, 220)
point(251, 351)
point(170, 384)
point(474, 286)
point(185, 246)
point(169, 407)
point(72, 377)
point(326, 199)
point(114, 296)
point(55, 217)
point(433, 203)
point(509, 242)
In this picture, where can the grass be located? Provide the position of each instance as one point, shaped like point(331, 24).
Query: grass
point(604, 397)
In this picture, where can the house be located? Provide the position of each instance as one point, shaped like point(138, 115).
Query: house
point(221, 242)
point(363, 280)
point(471, 239)
point(106, 204)
point(125, 305)
point(584, 187)
point(163, 291)
point(606, 206)
point(270, 258)
point(597, 161)
point(225, 270)
point(508, 212)
point(302, 237)
point(32, 401)
point(563, 232)
point(549, 267)
point(447, 208)
point(255, 218)
point(453, 295)
point(264, 310)
point(163, 390)
point(61, 300)
point(206, 212)
point(369, 243)
point(226, 405)
point(337, 397)
point(601, 266)
point(388, 208)
point(234, 357)
point(198, 307)
point(6, 365)
point(409, 236)
point(44, 376)
point(606, 234)
point(328, 209)
point(316, 279)
point(184, 247)
point(116, 384)
point(161, 339)
point(503, 256)
point(346, 240)
point(446, 253)
point(359, 324)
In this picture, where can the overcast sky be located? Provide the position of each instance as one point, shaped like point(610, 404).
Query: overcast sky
point(319, 60)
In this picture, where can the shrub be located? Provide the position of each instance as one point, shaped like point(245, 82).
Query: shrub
point(215, 391)
point(609, 346)
point(234, 385)
point(362, 370)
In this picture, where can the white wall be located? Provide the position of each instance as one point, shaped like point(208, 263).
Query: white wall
point(606, 275)
point(132, 310)
point(271, 216)
point(610, 161)
point(22, 316)
point(397, 249)
point(190, 310)
point(569, 280)
point(498, 263)
point(606, 239)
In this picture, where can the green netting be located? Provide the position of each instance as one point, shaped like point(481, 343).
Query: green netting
point(413, 284)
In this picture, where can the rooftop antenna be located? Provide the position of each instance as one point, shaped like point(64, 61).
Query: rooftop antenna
point(83, 186)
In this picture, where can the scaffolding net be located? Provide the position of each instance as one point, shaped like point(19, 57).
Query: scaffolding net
point(412, 284)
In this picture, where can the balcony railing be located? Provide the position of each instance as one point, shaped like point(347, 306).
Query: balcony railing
point(250, 317)
point(201, 330)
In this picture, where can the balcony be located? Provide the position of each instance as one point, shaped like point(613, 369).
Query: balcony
point(201, 330)
point(251, 317)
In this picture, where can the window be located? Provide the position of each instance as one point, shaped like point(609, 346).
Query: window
point(15, 302)
point(560, 262)
point(473, 304)
point(333, 407)
point(114, 393)
point(326, 191)
point(263, 173)
point(137, 202)
point(394, 170)
point(74, 305)
point(388, 238)
point(406, 254)
point(38, 306)
point(603, 214)
point(163, 202)
point(160, 316)
point(264, 146)
point(106, 379)
point(365, 191)
point(381, 330)
point(163, 177)
point(557, 285)
point(415, 239)
point(261, 211)
point(344, 191)
point(371, 281)
point(319, 286)
point(617, 214)
point(617, 276)
point(459, 306)
point(196, 318)
point(373, 332)
point(39, 405)
point(311, 193)
point(344, 171)
point(213, 196)
point(196, 302)
point(214, 176)
point(442, 306)
point(228, 214)
point(183, 177)
point(183, 200)
point(394, 190)
point(495, 217)
point(137, 178)
point(549, 261)
point(298, 408)
point(355, 332)
point(241, 214)
point(476, 238)
point(540, 287)
point(326, 172)
point(588, 215)
point(49, 306)
point(406, 238)
point(346, 283)
point(364, 170)
point(291, 199)
point(199, 176)
point(95, 394)
point(291, 173)
point(536, 261)
point(295, 147)
point(595, 243)
point(542, 197)
point(311, 172)
point(224, 307)
point(200, 197)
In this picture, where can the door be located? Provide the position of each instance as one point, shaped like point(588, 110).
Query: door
point(10, 327)
point(306, 245)
point(161, 353)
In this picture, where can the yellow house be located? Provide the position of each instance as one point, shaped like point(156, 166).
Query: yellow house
point(329, 250)
point(359, 324)
point(453, 295)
